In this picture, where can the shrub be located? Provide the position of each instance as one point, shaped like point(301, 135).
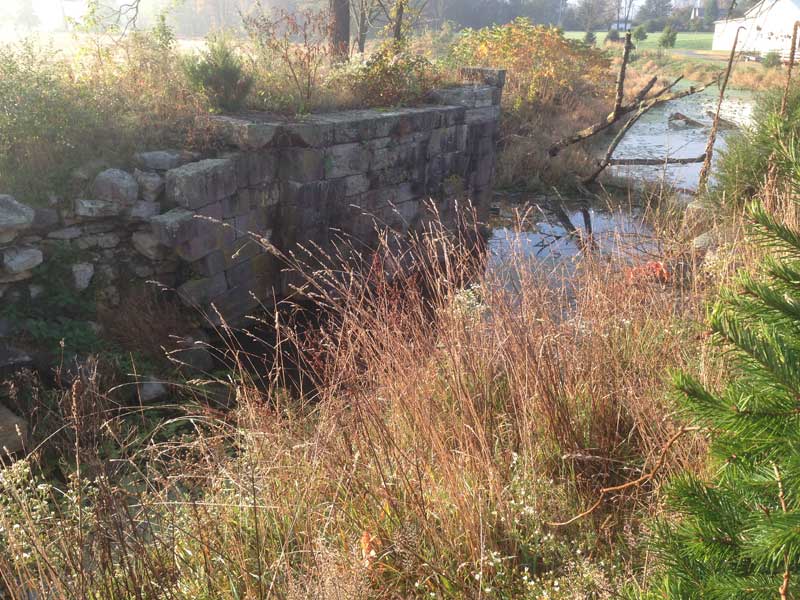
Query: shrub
point(289, 56)
point(612, 36)
point(667, 38)
point(771, 60)
point(589, 38)
point(219, 74)
point(542, 65)
point(389, 76)
point(640, 33)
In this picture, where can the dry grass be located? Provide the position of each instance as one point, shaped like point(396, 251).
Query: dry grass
point(448, 426)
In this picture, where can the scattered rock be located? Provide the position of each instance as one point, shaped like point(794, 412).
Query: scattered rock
point(19, 260)
point(13, 433)
point(68, 233)
point(116, 185)
point(82, 274)
point(96, 209)
point(704, 242)
point(14, 217)
point(150, 185)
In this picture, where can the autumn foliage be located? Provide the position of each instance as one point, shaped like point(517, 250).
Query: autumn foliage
point(542, 65)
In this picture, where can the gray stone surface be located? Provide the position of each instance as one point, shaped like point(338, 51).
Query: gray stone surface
point(164, 160)
point(199, 184)
point(151, 389)
point(150, 185)
point(82, 274)
point(96, 209)
point(142, 211)
point(147, 244)
point(245, 133)
point(115, 185)
point(14, 217)
point(198, 292)
point(19, 260)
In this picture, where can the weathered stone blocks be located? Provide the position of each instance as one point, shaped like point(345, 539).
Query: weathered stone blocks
point(244, 133)
point(346, 159)
point(96, 209)
point(19, 260)
point(199, 184)
point(163, 160)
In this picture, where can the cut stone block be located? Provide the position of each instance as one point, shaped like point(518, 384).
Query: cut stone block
point(147, 245)
point(116, 185)
point(302, 164)
point(199, 292)
point(199, 184)
point(244, 133)
point(346, 159)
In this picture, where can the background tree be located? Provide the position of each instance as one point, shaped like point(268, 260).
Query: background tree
point(710, 13)
point(639, 33)
point(340, 29)
point(26, 15)
point(654, 13)
point(668, 37)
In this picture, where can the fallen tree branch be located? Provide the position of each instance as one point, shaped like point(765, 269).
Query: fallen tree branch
point(660, 98)
point(662, 458)
point(657, 161)
point(615, 142)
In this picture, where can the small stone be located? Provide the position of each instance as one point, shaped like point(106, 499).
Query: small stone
point(96, 209)
point(18, 260)
point(68, 233)
point(147, 245)
point(150, 185)
point(82, 274)
point(193, 353)
point(14, 217)
point(35, 290)
point(116, 185)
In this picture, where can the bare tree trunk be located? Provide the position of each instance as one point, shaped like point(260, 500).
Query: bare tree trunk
point(362, 29)
point(397, 34)
point(340, 29)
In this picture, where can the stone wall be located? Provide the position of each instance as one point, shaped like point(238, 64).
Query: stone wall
point(196, 223)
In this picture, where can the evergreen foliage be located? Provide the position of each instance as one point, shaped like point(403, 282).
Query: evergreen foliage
point(220, 75)
point(738, 534)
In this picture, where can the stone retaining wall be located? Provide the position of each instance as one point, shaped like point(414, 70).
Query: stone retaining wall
point(193, 223)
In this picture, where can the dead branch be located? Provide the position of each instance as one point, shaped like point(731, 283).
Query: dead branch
point(621, 77)
point(662, 458)
point(657, 161)
point(712, 136)
point(615, 142)
point(660, 98)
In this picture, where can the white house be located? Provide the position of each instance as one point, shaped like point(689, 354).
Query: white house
point(766, 27)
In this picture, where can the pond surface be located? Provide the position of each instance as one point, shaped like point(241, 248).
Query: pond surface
point(534, 227)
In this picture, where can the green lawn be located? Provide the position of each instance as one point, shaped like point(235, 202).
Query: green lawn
point(685, 41)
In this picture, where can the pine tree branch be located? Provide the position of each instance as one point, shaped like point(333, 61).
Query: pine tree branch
point(784, 589)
